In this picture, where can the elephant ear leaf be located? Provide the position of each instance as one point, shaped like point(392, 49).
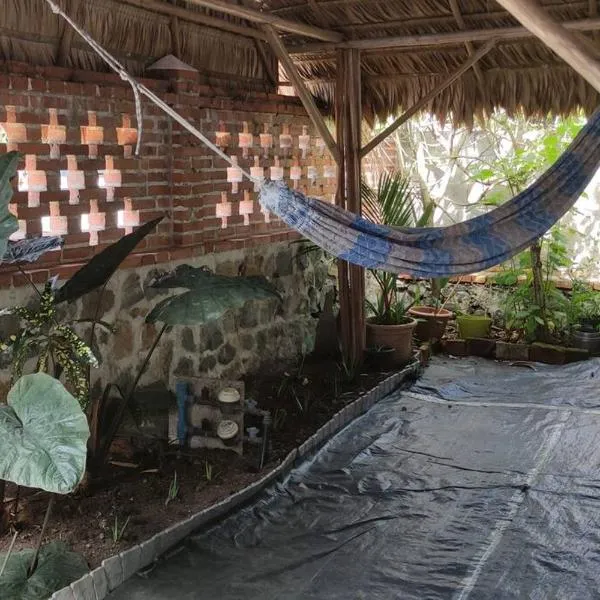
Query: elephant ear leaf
point(56, 568)
point(8, 222)
point(43, 436)
point(101, 267)
point(209, 297)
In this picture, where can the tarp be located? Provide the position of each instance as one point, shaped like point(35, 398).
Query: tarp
point(479, 482)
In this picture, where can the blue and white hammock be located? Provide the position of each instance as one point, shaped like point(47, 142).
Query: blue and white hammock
point(467, 247)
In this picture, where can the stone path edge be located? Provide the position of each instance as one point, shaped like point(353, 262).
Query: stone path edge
point(99, 583)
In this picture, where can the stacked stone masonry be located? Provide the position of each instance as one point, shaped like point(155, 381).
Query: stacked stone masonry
point(79, 178)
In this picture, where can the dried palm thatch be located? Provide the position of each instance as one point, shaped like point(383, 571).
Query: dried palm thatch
point(521, 74)
point(30, 32)
point(518, 74)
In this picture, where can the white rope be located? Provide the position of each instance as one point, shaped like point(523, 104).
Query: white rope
point(139, 88)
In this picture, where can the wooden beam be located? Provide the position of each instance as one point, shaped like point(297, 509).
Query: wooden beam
point(428, 97)
point(568, 46)
point(164, 8)
point(175, 37)
point(301, 90)
point(468, 45)
point(348, 109)
point(265, 18)
point(440, 39)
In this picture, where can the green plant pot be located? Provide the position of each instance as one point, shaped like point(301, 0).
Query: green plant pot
point(473, 326)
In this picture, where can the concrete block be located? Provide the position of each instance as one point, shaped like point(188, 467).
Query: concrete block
point(114, 572)
point(83, 589)
point(100, 583)
point(64, 594)
point(148, 551)
point(131, 561)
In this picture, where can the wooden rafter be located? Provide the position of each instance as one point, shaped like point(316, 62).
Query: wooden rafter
point(301, 89)
point(441, 39)
point(472, 60)
point(175, 37)
point(164, 8)
point(264, 18)
point(563, 42)
point(468, 45)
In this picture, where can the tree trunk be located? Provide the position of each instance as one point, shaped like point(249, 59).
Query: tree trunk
point(542, 334)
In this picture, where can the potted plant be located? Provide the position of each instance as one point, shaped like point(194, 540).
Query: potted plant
point(584, 317)
point(393, 204)
point(432, 319)
point(473, 326)
point(390, 324)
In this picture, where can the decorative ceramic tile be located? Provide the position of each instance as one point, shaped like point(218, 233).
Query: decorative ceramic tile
point(54, 134)
point(266, 140)
point(258, 173)
point(246, 140)
point(246, 207)
point(223, 210)
point(234, 175)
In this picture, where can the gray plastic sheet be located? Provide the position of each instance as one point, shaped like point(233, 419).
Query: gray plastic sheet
point(481, 481)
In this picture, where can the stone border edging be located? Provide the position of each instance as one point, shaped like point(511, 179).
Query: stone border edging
point(99, 583)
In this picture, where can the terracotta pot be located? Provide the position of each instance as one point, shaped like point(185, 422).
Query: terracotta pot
point(431, 322)
point(398, 337)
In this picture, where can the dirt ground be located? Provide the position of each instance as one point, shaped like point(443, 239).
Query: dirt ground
point(129, 503)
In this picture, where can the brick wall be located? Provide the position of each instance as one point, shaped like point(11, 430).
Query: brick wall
point(79, 178)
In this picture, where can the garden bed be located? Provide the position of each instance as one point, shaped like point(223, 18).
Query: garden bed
point(135, 490)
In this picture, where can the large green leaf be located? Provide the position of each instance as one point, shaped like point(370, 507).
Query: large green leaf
point(56, 569)
point(43, 436)
point(209, 296)
point(8, 222)
point(101, 267)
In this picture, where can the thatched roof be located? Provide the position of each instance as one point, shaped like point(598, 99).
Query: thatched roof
point(517, 73)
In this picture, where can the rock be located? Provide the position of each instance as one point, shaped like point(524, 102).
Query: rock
point(228, 268)
point(283, 264)
point(228, 322)
point(247, 342)
point(248, 318)
point(149, 333)
point(211, 337)
point(207, 363)
point(576, 354)
point(226, 354)
point(131, 291)
point(187, 340)
point(185, 367)
point(123, 340)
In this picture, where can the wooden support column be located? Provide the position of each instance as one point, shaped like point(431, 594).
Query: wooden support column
point(568, 46)
point(348, 112)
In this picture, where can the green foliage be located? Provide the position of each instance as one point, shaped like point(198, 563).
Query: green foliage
point(56, 569)
point(393, 204)
point(56, 346)
point(209, 472)
point(43, 436)
point(209, 296)
point(8, 222)
point(118, 530)
point(97, 272)
point(525, 316)
point(584, 308)
point(173, 492)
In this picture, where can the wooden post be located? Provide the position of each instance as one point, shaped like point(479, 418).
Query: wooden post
point(568, 46)
point(348, 108)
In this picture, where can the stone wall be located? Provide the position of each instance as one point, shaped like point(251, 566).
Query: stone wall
point(265, 333)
